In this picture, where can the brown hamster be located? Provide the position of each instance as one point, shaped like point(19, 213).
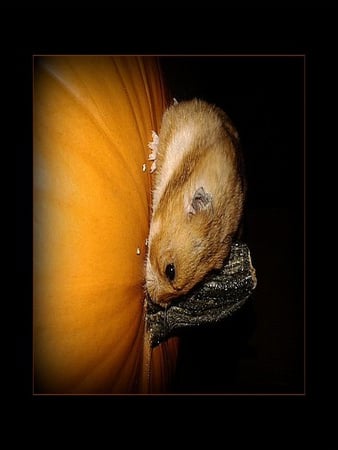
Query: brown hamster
point(198, 198)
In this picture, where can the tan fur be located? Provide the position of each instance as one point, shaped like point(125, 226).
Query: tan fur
point(198, 147)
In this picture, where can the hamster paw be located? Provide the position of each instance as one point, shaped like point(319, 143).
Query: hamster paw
point(153, 145)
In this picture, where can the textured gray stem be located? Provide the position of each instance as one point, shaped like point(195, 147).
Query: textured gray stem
point(218, 296)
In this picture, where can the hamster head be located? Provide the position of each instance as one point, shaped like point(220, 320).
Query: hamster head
point(185, 246)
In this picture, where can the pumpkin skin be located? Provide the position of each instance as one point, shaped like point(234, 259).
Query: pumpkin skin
point(93, 117)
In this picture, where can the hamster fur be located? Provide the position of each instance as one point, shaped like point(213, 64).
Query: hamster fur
point(198, 198)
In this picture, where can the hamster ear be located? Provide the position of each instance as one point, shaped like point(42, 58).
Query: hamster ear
point(201, 200)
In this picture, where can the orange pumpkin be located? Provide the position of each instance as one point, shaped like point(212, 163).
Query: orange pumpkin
point(93, 117)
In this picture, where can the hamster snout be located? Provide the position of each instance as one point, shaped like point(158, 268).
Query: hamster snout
point(197, 199)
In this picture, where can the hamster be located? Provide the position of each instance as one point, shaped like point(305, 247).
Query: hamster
point(198, 198)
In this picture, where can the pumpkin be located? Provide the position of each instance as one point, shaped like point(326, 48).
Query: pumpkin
point(93, 117)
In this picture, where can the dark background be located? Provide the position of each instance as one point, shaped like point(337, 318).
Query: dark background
point(261, 349)
point(293, 422)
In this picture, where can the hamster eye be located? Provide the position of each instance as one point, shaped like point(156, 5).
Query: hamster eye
point(170, 272)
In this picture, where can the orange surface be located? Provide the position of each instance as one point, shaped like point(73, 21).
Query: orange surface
point(93, 117)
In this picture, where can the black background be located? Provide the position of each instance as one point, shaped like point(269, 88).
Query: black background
point(239, 421)
point(261, 349)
